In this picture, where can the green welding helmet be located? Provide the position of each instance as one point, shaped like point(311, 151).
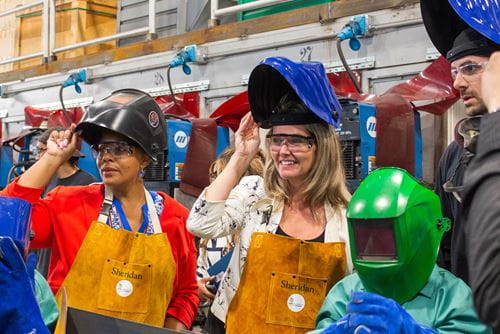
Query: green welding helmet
point(395, 228)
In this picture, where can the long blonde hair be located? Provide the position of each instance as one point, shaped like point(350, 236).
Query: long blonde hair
point(326, 180)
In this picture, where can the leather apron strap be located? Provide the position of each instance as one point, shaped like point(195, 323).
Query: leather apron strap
point(108, 202)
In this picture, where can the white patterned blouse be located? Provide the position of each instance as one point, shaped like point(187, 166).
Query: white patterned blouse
point(249, 209)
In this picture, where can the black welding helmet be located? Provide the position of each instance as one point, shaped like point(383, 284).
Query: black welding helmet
point(131, 113)
point(450, 34)
point(276, 78)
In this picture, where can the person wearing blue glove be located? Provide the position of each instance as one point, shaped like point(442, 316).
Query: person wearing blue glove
point(378, 314)
point(19, 311)
point(395, 227)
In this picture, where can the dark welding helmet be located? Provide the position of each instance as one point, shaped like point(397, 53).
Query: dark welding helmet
point(131, 113)
point(395, 228)
point(444, 26)
point(15, 221)
point(277, 78)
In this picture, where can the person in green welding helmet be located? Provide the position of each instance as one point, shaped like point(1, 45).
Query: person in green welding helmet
point(395, 227)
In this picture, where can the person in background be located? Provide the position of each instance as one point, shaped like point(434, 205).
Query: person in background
point(481, 206)
point(468, 57)
point(67, 175)
point(117, 248)
point(212, 250)
point(396, 225)
point(302, 196)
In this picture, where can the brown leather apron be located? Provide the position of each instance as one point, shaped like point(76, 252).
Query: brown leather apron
point(122, 274)
point(284, 284)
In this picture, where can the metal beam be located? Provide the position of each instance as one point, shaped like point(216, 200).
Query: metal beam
point(230, 31)
point(246, 6)
point(19, 8)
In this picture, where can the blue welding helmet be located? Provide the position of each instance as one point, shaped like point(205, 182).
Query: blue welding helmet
point(15, 221)
point(447, 23)
point(275, 78)
point(482, 15)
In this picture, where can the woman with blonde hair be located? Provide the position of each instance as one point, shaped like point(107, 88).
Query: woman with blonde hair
point(212, 250)
point(292, 226)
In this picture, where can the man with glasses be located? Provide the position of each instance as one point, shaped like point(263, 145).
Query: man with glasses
point(468, 57)
point(481, 205)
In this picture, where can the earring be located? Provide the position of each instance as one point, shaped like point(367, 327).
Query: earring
point(141, 173)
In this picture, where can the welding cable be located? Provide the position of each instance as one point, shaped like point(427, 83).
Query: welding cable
point(171, 88)
point(65, 112)
point(346, 66)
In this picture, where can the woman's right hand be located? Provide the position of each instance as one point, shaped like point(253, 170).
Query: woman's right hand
point(62, 144)
point(247, 139)
point(60, 147)
point(203, 292)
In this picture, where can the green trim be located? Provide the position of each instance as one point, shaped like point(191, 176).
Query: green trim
point(39, 13)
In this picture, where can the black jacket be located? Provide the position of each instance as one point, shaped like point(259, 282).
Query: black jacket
point(452, 249)
point(481, 214)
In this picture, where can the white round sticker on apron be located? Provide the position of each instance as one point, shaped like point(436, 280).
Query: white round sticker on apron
point(296, 302)
point(124, 288)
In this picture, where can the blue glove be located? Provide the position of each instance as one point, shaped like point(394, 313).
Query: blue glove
point(19, 311)
point(374, 314)
point(341, 326)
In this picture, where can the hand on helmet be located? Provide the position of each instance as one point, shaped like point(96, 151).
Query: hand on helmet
point(247, 139)
point(62, 144)
point(374, 314)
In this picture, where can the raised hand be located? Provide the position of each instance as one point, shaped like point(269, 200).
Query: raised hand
point(62, 144)
point(60, 147)
point(247, 139)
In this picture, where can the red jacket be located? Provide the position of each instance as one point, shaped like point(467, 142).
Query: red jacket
point(61, 221)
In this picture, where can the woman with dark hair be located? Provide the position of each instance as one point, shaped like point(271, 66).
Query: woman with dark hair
point(293, 236)
point(117, 249)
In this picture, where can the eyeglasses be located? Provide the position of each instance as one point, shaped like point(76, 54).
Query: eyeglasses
point(117, 149)
point(468, 69)
point(295, 143)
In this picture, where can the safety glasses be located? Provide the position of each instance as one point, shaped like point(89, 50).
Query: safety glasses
point(468, 70)
point(118, 149)
point(294, 143)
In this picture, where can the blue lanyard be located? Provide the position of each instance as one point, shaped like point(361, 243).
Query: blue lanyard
point(124, 220)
